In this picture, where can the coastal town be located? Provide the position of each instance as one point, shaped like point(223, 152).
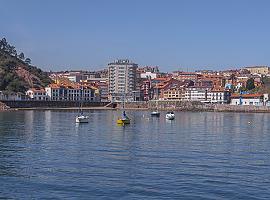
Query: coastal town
point(124, 80)
point(135, 100)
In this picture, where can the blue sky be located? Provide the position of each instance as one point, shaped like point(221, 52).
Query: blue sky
point(172, 34)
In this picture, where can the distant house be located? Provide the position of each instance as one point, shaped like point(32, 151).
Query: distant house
point(37, 94)
point(259, 70)
point(11, 96)
point(249, 99)
point(148, 75)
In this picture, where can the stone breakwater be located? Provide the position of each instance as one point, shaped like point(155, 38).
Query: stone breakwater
point(235, 108)
point(3, 107)
point(180, 106)
point(194, 106)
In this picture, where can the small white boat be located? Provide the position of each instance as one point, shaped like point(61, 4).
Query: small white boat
point(82, 119)
point(170, 116)
point(155, 114)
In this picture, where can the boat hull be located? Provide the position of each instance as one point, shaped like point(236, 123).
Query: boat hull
point(82, 119)
point(123, 121)
point(170, 116)
point(155, 114)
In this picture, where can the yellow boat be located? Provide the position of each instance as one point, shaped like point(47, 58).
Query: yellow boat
point(123, 121)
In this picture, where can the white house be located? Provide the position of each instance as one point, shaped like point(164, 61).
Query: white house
point(218, 96)
point(37, 94)
point(149, 75)
point(196, 93)
point(249, 99)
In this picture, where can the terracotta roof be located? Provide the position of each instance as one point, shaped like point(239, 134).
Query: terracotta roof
point(246, 95)
point(37, 90)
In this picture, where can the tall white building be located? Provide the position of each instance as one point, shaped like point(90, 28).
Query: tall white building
point(122, 80)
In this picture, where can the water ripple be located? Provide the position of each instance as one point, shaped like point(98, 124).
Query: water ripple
point(45, 155)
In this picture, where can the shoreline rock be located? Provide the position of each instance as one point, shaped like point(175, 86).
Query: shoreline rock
point(3, 107)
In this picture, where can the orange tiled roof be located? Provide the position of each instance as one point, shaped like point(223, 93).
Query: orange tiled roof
point(246, 95)
point(37, 90)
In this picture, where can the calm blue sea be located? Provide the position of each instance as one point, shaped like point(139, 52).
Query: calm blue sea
point(45, 155)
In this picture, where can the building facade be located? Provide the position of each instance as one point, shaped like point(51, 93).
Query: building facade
point(37, 94)
point(70, 93)
point(122, 79)
point(249, 99)
point(264, 70)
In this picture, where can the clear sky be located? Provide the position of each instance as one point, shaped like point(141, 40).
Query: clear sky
point(172, 34)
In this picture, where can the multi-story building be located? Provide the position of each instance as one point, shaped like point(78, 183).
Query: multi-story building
point(197, 93)
point(175, 89)
point(57, 92)
point(122, 80)
point(264, 70)
point(145, 88)
point(187, 76)
point(218, 96)
point(103, 90)
point(207, 94)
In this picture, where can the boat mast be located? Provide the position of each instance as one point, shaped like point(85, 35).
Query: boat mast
point(81, 110)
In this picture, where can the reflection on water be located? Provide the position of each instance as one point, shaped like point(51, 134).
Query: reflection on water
point(45, 154)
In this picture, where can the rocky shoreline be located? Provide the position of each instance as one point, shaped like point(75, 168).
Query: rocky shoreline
point(3, 107)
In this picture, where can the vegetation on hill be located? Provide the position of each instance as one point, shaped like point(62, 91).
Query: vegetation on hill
point(16, 72)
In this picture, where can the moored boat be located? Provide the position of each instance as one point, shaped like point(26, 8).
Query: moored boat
point(123, 120)
point(155, 114)
point(170, 116)
point(82, 119)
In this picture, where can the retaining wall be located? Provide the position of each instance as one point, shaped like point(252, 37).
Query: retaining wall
point(50, 104)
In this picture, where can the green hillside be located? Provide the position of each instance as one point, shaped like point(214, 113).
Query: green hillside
point(16, 73)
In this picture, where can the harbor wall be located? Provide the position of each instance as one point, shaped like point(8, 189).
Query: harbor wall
point(150, 105)
point(198, 106)
point(50, 104)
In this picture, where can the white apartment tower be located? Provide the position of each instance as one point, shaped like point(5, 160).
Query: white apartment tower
point(122, 79)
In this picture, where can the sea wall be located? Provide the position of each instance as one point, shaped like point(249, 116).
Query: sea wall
point(198, 106)
point(242, 108)
point(180, 105)
point(50, 104)
point(151, 105)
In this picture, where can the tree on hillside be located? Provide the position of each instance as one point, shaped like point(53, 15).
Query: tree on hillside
point(250, 84)
point(21, 56)
point(3, 44)
point(13, 51)
point(28, 61)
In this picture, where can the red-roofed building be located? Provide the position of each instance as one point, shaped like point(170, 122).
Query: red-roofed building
point(37, 94)
point(249, 99)
point(72, 92)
